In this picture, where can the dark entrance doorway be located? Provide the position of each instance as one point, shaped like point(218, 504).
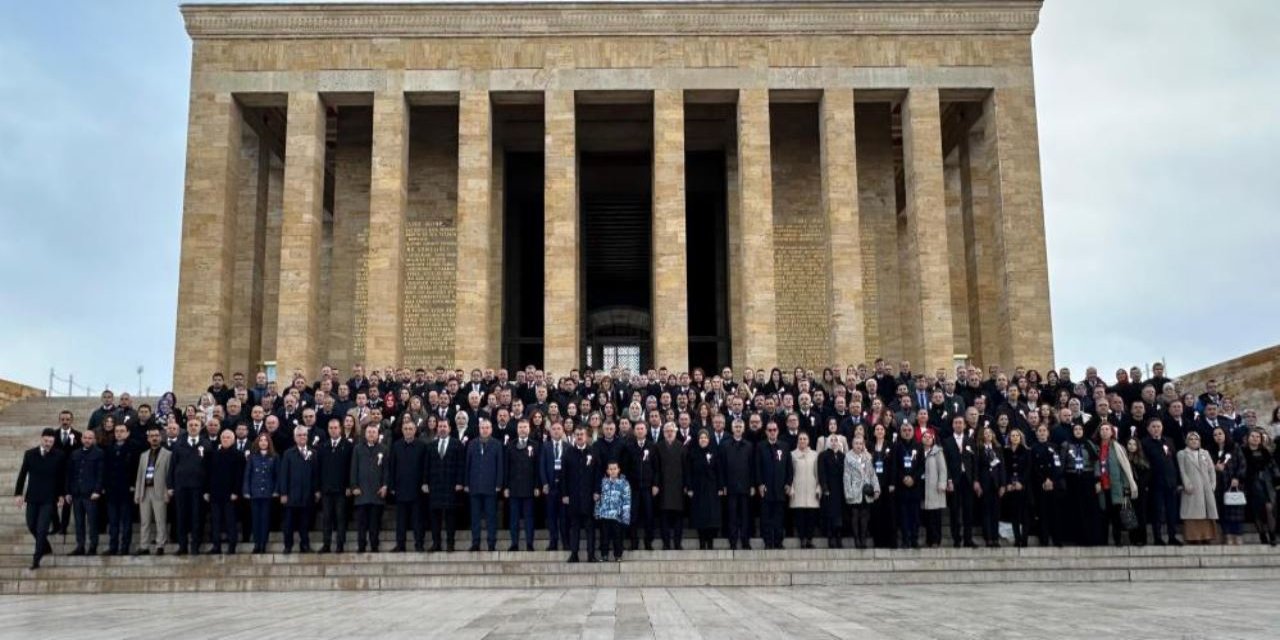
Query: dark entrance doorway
point(706, 209)
point(522, 242)
point(616, 207)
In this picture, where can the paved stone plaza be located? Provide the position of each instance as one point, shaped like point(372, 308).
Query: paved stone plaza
point(1149, 610)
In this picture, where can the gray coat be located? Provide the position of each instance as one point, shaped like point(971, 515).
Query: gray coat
point(858, 471)
point(935, 479)
point(369, 472)
point(1199, 480)
point(159, 479)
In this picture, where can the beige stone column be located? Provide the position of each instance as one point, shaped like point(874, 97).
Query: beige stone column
point(475, 305)
point(670, 277)
point(208, 226)
point(926, 218)
point(1025, 322)
point(298, 319)
point(562, 333)
point(755, 200)
point(840, 205)
point(388, 198)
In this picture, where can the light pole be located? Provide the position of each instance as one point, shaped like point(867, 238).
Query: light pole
point(139, 381)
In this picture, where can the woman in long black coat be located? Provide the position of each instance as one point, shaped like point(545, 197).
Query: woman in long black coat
point(705, 484)
point(831, 480)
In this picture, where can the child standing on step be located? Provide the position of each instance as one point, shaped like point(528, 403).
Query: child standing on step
point(613, 509)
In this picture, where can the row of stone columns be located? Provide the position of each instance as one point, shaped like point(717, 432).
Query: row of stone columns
point(1008, 142)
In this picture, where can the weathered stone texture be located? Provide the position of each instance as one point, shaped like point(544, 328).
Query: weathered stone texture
point(800, 235)
point(349, 274)
point(926, 228)
point(957, 266)
point(251, 217)
point(1253, 380)
point(271, 258)
point(755, 228)
point(877, 198)
point(475, 299)
point(844, 244)
point(297, 336)
point(670, 297)
point(388, 199)
point(1027, 327)
point(208, 224)
point(11, 392)
point(979, 170)
point(561, 350)
point(431, 250)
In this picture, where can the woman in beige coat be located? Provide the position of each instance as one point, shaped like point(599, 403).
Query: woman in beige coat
point(1199, 508)
point(804, 490)
point(935, 489)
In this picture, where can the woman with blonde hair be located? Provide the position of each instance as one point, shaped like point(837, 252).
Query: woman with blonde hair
point(1199, 508)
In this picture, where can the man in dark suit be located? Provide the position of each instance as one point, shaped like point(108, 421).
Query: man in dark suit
point(226, 482)
point(522, 484)
point(579, 468)
point(40, 490)
point(740, 485)
point(445, 464)
point(551, 475)
point(335, 473)
point(189, 480)
point(1165, 488)
point(298, 483)
point(640, 464)
point(84, 491)
point(483, 482)
point(774, 472)
point(958, 451)
point(409, 486)
point(119, 465)
point(67, 440)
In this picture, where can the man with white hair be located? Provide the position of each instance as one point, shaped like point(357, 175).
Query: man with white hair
point(298, 484)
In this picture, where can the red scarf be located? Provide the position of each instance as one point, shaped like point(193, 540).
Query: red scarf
point(1103, 463)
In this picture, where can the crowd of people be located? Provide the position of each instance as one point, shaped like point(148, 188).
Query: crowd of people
point(869, 454)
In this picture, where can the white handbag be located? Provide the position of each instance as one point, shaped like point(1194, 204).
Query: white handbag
point(1234, 498)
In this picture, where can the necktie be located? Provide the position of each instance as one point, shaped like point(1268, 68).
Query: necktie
point(443, 442)
point(193, 442)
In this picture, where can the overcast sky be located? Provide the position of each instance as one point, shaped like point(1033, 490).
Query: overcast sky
point(1160, 146)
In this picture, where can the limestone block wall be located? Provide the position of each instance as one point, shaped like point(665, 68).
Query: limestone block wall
point(11, 392)
point(1252, 379)
point(431, 249)
point(802, 270)
point(348, 277)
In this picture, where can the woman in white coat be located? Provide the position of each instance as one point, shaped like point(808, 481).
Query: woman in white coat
point(804, 490)
point(1199, 508)
point(861, 488)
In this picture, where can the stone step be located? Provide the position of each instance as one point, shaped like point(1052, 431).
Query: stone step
point(609, 575)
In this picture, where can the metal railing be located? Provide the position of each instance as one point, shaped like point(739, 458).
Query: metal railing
point(55, 387)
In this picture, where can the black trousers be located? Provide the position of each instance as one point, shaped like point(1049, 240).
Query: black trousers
point(581, 526)
point(120, 524)
point(960, 508)
point(222, 517)
point(39, 517)
point(520, 508)
point(908, 503)
point(1016, 502)
point(771, 522)
point(1082, 504)
point(86, 514)
point(805, 520)
point(1164, 504)
point(612, 538)
point(244, 517)
point(860, 519)
point(1111, 521)
point(446, 517)
point(557, 528)
point(368, 525)
point(990, 501)
point(672, 527)
point(932, 527)
point(189, 518)
point(883, 521)
point(738, 515)
point(297, 519)
point(1048, 504)
point(642, 515)
point(409, 514)
point(333, 515)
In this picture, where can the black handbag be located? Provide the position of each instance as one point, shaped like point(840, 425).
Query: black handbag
point(868, 491)
point(1128, 517)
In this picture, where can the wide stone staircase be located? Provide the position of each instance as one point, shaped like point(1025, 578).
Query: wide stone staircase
point(21, 423)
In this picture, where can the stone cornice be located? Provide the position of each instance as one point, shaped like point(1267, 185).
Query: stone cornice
point(549, 19)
